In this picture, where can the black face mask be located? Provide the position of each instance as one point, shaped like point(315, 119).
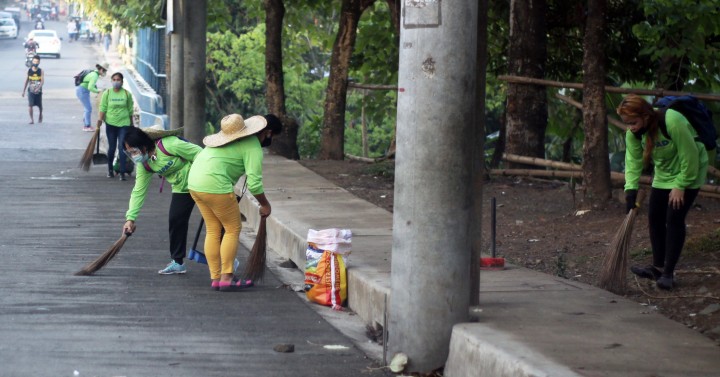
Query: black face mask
point(266, 142)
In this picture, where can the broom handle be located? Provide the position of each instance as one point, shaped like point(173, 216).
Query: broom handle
point(97, 141)
point(197, 235)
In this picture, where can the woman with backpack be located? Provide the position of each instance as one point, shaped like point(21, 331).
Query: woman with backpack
point(680, 164)
point(116, 110)
point(87, 84)
point(156, 151)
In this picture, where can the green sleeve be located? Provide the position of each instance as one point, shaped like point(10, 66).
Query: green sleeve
point(139, 192)
point(130, 104)
point(633, 161)
point(92, 82)
point(104, 102)
point(687, 150)
point(253, 169)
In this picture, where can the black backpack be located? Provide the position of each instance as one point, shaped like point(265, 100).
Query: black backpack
point(80, 76)
point(695, 112)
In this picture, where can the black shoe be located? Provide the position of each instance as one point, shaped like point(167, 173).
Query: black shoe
point(665, 282)
point(110, 174)
point(648, 272)
point(122, 177)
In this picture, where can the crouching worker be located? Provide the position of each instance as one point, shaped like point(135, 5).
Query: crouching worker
point(680, 165)
point(231, 153)
point(156, 151)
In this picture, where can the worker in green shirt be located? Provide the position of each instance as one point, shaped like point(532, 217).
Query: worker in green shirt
point(680, 165)
point(156, 151)
point(231, 153)
point(116, 110)
point(82, 91)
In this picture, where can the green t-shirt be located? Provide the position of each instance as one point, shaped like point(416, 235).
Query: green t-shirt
point(90, 81)
point(216, 170)
point(680, 162)
point(174, 168)
point(118, 107)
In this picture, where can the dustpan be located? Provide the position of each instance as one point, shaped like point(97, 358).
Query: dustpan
point(99, 158)
point(194, 254)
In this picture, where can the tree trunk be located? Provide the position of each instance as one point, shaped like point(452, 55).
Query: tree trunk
point(286, 144)
point(596, 165)
point(527, 104)
point(333, 130)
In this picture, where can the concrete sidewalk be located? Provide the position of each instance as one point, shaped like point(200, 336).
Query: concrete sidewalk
point(532, 324)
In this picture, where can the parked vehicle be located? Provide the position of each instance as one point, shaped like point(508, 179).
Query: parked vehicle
point(16, 13)
point(8, 29)
point(48, 40)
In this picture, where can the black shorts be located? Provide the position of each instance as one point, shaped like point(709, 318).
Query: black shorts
point(35, 99)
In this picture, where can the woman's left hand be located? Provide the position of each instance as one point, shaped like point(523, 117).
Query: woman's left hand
point(677, 198)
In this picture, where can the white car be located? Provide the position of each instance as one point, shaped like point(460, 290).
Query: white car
point(8, 29)
point(48, 41)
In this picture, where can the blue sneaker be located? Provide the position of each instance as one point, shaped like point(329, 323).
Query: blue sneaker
point(173, 268)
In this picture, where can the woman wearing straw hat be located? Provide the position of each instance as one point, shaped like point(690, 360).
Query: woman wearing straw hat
point(231, 153)
point(156, 151)
point(116, 110)
point(82, 91)
point(680, 166)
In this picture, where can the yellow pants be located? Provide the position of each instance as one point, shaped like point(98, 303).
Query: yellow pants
point(220, 211)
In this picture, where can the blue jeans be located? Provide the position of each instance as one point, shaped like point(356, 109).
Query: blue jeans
point(84, 96)
point(116, 139)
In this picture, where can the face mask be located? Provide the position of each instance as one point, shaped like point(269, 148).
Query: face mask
point(36, 65)
point(140, 158)
point(117, 84)
point(266, 142)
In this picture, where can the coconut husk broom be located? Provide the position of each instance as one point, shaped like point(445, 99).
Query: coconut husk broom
point(103, 259)
point(87, 157)
point(613, 276)
point(255, 266)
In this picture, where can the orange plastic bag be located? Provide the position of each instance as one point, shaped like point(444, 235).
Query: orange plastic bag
point(325, 272)
point(326, 280)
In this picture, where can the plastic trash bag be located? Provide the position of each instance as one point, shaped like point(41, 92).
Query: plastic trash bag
point(325, 271)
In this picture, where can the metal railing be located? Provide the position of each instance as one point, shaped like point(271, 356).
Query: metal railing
point(150, 59)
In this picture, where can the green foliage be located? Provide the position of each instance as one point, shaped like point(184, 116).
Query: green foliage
point(683, 29)
point(128, 14)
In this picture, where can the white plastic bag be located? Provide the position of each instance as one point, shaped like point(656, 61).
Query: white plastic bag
point(338, 241)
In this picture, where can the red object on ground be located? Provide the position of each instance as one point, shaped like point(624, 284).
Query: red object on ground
point(492, 263)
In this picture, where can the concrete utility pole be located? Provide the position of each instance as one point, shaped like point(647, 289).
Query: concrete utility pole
point(194, 45)
point(176, 65)
point(431, 221)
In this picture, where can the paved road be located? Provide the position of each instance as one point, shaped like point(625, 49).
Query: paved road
point(127, 320)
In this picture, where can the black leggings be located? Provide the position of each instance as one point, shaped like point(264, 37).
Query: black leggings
point(181, 206)
point(667, 227)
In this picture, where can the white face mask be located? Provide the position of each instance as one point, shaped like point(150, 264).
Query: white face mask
point(140, 158)
point(117, 84)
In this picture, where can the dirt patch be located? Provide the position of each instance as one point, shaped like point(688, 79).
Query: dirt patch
point(538, 227)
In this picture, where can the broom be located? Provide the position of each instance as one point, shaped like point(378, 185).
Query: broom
point(255, 266)
point(103, 259)
point(87, 157)
point(613, 276)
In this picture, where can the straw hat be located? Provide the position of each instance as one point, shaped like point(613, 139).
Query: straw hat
point(158, 132)
point(104, 66)
point(233, 127)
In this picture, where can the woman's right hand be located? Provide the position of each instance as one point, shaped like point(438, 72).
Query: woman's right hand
point(129, 227)
point(265, 210)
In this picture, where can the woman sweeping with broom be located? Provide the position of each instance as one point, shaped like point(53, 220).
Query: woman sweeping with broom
point(156, 151)
point(231, 153)
point(679, 169)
